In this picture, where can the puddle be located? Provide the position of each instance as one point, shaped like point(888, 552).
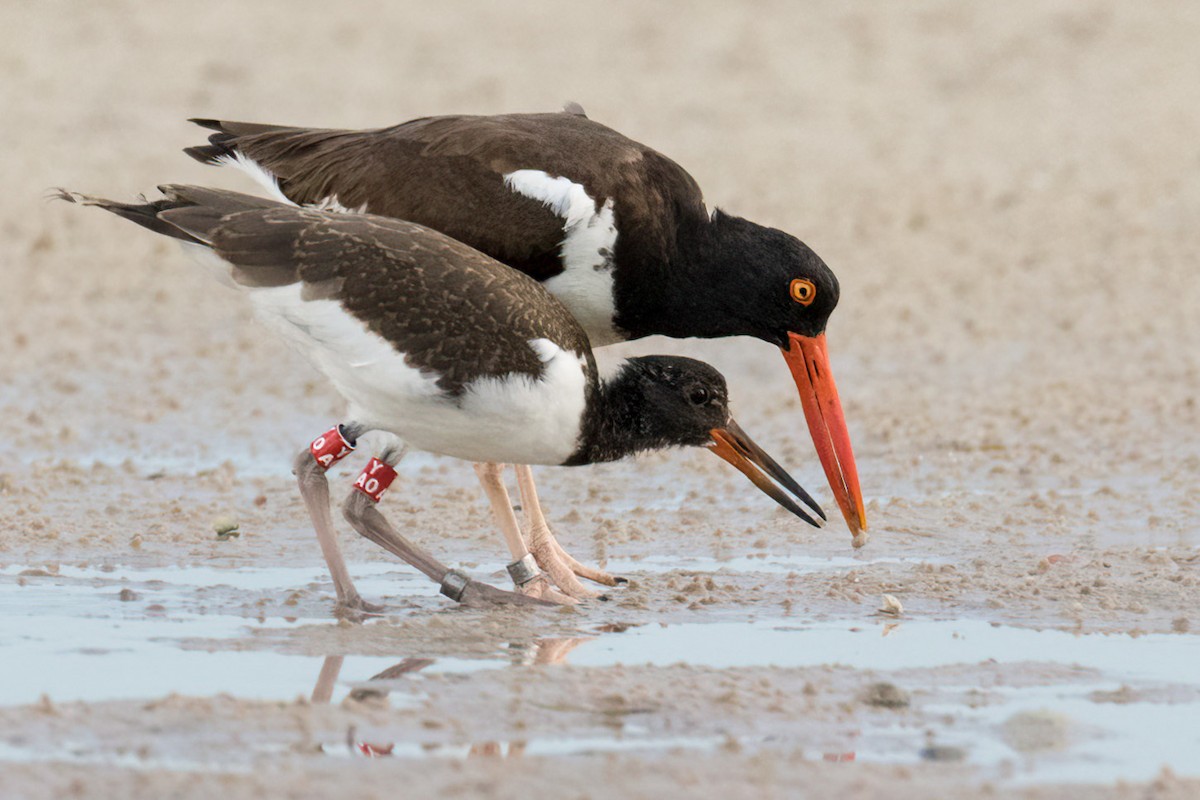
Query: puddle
point(78, 753)
point(565, 746)
point(769, 563)
point(388, 577)
point(1101, 742)
point(68, 636)
point(1167, 658)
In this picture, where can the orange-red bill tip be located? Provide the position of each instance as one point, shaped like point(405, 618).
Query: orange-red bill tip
point(808, 359)
point(732, 444)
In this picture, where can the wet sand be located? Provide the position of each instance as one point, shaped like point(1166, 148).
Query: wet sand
point(1008, 197)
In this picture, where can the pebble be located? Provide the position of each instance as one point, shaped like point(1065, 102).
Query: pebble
point(885, 695)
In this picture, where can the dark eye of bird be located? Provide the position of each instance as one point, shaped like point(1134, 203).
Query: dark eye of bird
point(698, 396)
point(803, 291)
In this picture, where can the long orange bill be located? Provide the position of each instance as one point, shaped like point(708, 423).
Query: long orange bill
point(809, 361)
point(732, 444)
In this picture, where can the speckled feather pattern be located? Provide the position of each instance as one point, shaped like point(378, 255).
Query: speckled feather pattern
point(452, 310)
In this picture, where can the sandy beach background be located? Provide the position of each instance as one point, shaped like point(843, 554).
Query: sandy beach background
point(1009, 195)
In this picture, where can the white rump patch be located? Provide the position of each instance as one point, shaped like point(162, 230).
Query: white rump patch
point(264, 178)
point(586, 283)
point(257, 172)
point(334, 205)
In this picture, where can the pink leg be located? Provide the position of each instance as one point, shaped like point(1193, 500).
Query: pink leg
point(360, 511)
point(314, 488)
point(548, 553)
point(330, 668)
point(535, 584)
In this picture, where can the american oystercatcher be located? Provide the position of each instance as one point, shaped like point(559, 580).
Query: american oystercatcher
point(437, 346)
point(614, 229)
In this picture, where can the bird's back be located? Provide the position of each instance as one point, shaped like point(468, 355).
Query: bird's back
point(410, 326)
point(448, 173)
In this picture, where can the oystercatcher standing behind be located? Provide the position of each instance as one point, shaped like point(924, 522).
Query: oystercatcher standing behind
point(617, 231)
point(442, 348)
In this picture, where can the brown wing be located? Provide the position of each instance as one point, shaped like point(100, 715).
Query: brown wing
point(448, 307)
point(447, 173)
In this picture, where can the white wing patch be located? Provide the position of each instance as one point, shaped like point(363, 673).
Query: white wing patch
point(266, 179)
point(586, 283)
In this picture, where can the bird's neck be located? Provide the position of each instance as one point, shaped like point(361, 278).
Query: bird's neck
point(618, 420)
point(700, 292)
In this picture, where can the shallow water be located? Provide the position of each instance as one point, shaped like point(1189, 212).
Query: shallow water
point(768, 563)
point(129, 650)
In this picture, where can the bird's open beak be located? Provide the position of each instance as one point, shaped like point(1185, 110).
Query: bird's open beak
point(732, 444)
point(809, 362)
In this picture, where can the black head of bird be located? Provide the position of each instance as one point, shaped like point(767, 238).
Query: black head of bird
point(664, 401)
point(772, 286)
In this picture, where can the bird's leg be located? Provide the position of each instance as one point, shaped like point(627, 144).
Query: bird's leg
point(529, 581)
point(331, 667)
point(548, 553)
point(554, 651)
point(360, 511)
point(309, 468)
point(541, 540)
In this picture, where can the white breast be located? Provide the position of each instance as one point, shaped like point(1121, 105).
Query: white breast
point(586, 284)
point(514, 419)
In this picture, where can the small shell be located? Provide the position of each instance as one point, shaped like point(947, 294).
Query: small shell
point(225, 527)
point(891, 606)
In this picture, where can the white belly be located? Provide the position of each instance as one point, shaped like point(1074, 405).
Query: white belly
point(515, 419)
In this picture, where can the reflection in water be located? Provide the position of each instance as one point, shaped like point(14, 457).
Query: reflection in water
point(537, 652)
point(330, 668)
point(1132, 702)
point(545, 651)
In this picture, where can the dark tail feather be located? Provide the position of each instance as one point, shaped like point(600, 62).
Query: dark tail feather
point(219, 146)
point(144, 213)
point(211, 124)
point(208, 154)
point(188, 213)
point(223, 143)
point(237, 128)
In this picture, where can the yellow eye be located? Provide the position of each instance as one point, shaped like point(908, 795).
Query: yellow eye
point(803, 291)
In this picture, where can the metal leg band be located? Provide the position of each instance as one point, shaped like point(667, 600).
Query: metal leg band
point(523, 570)
point(454, 583)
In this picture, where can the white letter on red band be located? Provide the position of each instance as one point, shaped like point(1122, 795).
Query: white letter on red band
point(330, 447)
point(374, 480)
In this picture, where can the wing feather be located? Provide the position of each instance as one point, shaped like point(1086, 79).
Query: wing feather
point(451, 309)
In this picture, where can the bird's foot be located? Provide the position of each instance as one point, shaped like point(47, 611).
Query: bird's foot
point(458, 587)
point(552, 564)
point(563, 568)
point(353, 607)
point(541, 588)
point(552, 558)
point(593, 574)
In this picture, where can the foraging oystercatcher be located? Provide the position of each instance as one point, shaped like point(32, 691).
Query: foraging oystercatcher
point(440, 347)
point(614, 229)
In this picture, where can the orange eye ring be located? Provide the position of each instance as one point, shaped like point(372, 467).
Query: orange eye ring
point(803, 291)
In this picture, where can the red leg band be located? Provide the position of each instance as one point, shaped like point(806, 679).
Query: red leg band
point(375, 750)
point(330, 447)
point(374, 480)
